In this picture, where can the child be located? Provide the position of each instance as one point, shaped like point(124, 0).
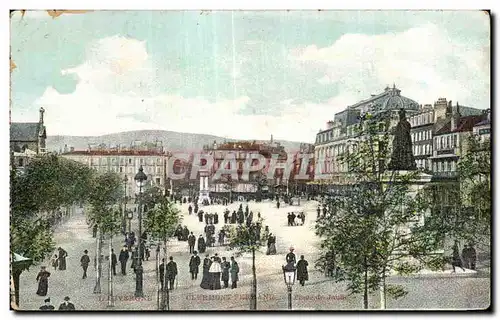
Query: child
point(54, 262)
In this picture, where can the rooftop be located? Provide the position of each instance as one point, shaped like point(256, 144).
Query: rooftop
point(114, 153)
point(25, 131)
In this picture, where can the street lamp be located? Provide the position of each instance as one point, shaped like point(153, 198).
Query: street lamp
point(140, 179)
point(125, 180)
point(289, 275)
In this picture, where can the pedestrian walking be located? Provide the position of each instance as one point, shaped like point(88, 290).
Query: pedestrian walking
point(123, 258)
point(225, 266)
point(190, 209)
point(194, 264)
point(302, 274)
point(235, 270)
point(318, 211)
point(472, 257)
point(456, 259)
point(47, 306)
point(290, 257)
point(62, 258)
point(67, 305)
point(200, 216)
point(191, 242)
point(43, 281)
point(162, 273)
point(205, 280)
point(226, 216)
point(54, 262)
point(214, 273)
point(202, 246)
point(113, 261)
point(171, 272)
point(84, 262)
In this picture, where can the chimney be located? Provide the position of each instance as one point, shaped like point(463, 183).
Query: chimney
point(329, 124)
point(215, 145)
point(455, 117)
point(71, 149)
point(42, 110)
point(271, 138)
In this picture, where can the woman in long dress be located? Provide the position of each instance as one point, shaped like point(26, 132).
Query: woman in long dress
point(43, 282)
point(215, 271)
point(62, 258)
point(205, 281)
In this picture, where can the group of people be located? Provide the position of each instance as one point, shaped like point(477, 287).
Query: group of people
point(468, 257)
point(216, 270)
point(320, 214)
point(66, 305)
point(291, 219)
point(182, 233)
point(300, 266)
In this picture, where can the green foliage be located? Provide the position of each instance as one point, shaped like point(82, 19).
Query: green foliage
point(106, 193)
point(162, 216)
point(374, 226)
point(462, 209)
point(244, 238)
point(47, 184)
point(396, 291)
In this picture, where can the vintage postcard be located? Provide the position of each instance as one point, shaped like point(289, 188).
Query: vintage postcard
point(250, 160)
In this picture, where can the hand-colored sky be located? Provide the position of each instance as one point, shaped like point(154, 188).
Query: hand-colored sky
point(238, 74)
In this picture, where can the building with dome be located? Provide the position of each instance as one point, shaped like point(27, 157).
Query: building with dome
point(331, 142)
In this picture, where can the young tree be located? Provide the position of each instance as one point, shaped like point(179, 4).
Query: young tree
point(35, 195)
point(162, 217)
point(244, 238)
point(375, 226)
point(105, 196)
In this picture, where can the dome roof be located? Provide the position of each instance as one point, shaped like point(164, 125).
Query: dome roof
point(390, 99)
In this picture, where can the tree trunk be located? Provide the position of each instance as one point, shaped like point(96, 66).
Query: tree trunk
point(16, 275)
point(97, 288)
point(253, 295)
point(165, 292)
point(158, 287)
point(365, 294)
point(111, 301)
point(382, 291)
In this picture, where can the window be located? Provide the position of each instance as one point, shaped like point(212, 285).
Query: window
point(121, 169)
point(439, 167)
point(445, 166)
point(141, 161)
point(21, 162)
point(434, 167)
point(129, 161)
point(158, 180)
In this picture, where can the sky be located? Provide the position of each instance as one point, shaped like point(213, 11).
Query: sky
point(238, 74)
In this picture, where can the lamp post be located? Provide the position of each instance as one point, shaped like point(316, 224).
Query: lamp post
point(289, 275)
point(140, 178)
point(125, 180)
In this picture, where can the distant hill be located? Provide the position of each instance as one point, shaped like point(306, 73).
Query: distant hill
point(173, 141)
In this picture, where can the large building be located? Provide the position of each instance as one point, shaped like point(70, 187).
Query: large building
point(27, 139)
point(126, 162)
point(332, 141)
point(241, 150)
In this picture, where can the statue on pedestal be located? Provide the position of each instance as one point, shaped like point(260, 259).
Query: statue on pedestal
point(402, 152)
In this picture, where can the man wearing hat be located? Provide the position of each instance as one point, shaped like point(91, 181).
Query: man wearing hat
point(194, 264)
point(84, 261)
point(66, 305)
point(47, 306)
point(290, 257)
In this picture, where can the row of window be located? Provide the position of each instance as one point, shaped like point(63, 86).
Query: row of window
point(422, 149)
point(444, 166)
point(330, 151)
point(446, 142)
point(125, 161)
point(421, 119)
point(129, 170)
point(421, 135)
